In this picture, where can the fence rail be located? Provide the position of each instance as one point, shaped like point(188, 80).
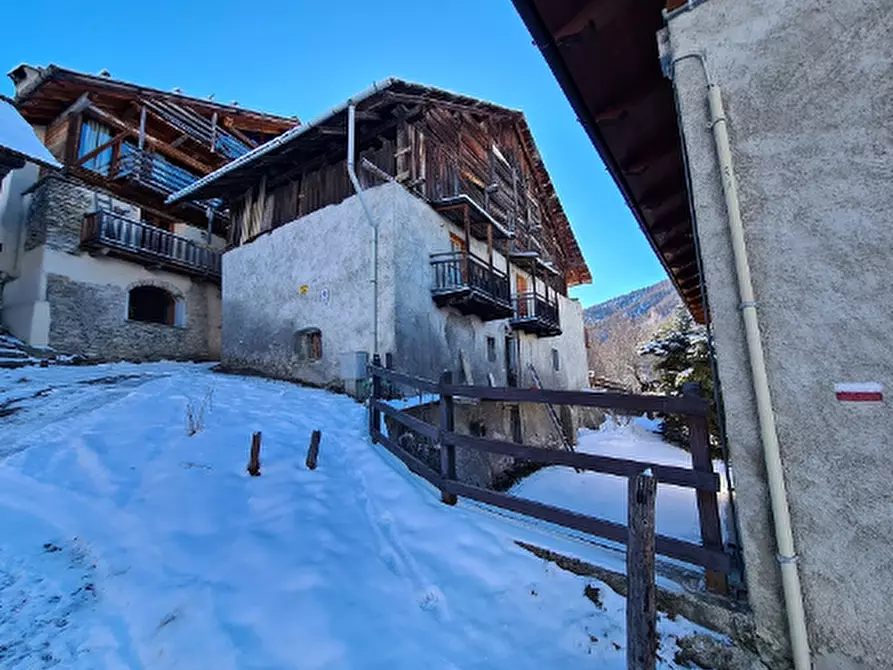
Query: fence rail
point(709, 554)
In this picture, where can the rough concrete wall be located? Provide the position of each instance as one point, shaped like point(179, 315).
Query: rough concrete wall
point(92, 319)
point(57, 213)
point(809, 94)
point(330, 253)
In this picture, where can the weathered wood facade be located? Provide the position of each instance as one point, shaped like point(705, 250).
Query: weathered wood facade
point(137, 143)
point(440, 146)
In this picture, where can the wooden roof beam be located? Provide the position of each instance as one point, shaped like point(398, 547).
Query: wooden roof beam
point(650, 153)
point(157, 144)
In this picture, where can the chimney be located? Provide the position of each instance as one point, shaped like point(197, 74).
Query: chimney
point(105, 73)
point(24, 76)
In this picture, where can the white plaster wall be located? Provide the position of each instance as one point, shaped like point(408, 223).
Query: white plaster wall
point(25, 311)
point(808, 89)
point(329, 253)
point(13, 207)
point(429, 339)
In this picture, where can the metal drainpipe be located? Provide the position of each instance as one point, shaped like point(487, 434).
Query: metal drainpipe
point(784, 538)
point(351, 172)
point(711, 348)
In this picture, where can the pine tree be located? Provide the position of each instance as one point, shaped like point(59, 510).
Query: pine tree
point(680, 354)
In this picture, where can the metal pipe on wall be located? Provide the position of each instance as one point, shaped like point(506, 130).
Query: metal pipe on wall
point(351, 173)
point(784, 538)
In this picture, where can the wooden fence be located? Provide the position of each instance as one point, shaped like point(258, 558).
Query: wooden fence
point(709, 554)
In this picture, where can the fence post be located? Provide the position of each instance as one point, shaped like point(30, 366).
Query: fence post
point(447, 451)
point(708, 508)
point(375, 394)
point(641, 612)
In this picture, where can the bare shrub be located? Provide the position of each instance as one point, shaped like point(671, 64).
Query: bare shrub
point(196, 411)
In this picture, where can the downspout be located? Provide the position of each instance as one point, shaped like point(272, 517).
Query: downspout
point(351, 172)
point(784, 538)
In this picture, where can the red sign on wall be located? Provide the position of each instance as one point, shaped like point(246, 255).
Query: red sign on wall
point(859, 392)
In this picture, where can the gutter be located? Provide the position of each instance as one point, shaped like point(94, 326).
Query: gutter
point(352, 174)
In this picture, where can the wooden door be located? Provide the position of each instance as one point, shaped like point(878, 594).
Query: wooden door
point(520, 295)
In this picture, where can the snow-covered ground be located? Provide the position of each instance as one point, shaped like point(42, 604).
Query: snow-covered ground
point(605, 496)
point(128, 543)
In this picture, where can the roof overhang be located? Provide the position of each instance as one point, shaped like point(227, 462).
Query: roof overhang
point(18, 143)
point(604, 55)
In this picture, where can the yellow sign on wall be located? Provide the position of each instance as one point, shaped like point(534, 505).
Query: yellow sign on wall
point(303, 290)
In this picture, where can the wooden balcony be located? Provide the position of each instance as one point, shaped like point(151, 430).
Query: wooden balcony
point(154, 172)
point(536, 314)
point(109, 233)
point(463, 281)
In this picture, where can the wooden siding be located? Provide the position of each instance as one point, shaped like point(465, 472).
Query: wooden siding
point(440, 153)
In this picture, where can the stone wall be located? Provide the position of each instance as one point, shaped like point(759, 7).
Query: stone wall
point(808, 92)
point(57, 212)
point(77, 302)
point(492, 420)
point(92, 319)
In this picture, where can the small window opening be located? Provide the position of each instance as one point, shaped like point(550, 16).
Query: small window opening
point(152, 305)
point(556, 364)
point(491, 349)
point(308, 344)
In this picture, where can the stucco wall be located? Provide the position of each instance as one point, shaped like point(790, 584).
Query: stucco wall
point(329, 252)
point(12, 216)
point(809, 97)
point(429, 339)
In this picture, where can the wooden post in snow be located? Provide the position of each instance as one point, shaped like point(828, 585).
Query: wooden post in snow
point(447, 451)
point(254, 459)
point(641, 613)
point(313, 451)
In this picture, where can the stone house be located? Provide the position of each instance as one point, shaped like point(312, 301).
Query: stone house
point(92, 259)
point(752, 141)
point(474, 259)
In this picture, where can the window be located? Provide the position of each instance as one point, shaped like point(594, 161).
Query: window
point(154, 305)
point(308, 344)
point(491, 349)
point(556, 364)
point(93, 136)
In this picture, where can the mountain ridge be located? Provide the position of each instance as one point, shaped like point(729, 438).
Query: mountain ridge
point(615, 328)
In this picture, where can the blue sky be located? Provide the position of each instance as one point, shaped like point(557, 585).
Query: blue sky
point(301, 58)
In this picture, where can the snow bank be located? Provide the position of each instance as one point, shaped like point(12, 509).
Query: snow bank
point(129, 544)
point(605, 496)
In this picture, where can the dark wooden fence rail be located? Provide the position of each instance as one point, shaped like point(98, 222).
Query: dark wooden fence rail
point(709, 554)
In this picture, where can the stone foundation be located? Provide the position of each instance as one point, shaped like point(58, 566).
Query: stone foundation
point(92, 319)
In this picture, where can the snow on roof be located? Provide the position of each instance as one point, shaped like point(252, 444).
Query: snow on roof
point(18, 138)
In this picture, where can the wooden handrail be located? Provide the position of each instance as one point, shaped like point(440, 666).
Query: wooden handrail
point(136, 237)
point(622, 467)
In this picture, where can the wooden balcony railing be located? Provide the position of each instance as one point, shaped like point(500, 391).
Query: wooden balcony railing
point(155, 172)
point(148, 245)
point(536, 314)
point(471, 285)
